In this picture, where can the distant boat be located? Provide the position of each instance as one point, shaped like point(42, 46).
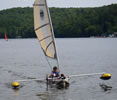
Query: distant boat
point(6, 37)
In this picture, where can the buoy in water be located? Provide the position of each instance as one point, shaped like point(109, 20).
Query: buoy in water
point(105, 76)
point(15, 84)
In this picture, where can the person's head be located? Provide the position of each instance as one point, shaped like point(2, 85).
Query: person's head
point(55, 69)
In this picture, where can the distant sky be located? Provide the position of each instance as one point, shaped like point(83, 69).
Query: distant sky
point(4, 4)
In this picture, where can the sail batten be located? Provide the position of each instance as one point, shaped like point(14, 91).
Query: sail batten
point(39, 5)
point(41, 26)
point(49, 45)
point(43, 29)
point(45, 38)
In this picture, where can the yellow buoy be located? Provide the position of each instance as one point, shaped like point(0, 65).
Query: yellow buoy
point(15, 84)
point(105, 76)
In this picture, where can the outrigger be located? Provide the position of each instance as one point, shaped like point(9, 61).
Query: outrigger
point(61, 83)
point(45, 34)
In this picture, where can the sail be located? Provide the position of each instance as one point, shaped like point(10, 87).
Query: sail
point(43, 28)
point(5, 37)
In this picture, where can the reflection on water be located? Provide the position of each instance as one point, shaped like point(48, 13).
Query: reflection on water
point(23, 59)
point(105, 87)
point(52, 94)
point(16, 91)
point(46, 96)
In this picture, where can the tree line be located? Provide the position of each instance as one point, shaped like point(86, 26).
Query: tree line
point(67, 22)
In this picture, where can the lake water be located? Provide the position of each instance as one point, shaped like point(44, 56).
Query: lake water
point(23, 59)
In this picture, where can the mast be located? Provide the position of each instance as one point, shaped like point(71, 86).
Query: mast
point(52, 32)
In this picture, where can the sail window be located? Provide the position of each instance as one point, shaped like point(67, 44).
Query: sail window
point(41, 14)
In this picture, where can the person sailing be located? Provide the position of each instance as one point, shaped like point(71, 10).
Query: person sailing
point(55, 72)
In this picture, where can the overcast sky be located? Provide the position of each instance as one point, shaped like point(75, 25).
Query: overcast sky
point(4, 4)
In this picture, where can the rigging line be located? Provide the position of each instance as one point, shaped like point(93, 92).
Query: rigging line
point(51, 67)
point(52, 32)
point(47, 59)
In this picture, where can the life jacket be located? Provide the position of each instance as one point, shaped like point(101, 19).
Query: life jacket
point(56, 73)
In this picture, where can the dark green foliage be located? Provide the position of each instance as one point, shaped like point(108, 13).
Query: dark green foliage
point(67, 22)
point(17, 22)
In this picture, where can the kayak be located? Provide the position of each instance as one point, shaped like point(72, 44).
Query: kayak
point(58, 82)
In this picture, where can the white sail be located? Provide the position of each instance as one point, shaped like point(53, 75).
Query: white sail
point(43, 28)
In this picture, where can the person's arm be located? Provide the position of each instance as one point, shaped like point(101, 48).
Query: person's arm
point(51, 75)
